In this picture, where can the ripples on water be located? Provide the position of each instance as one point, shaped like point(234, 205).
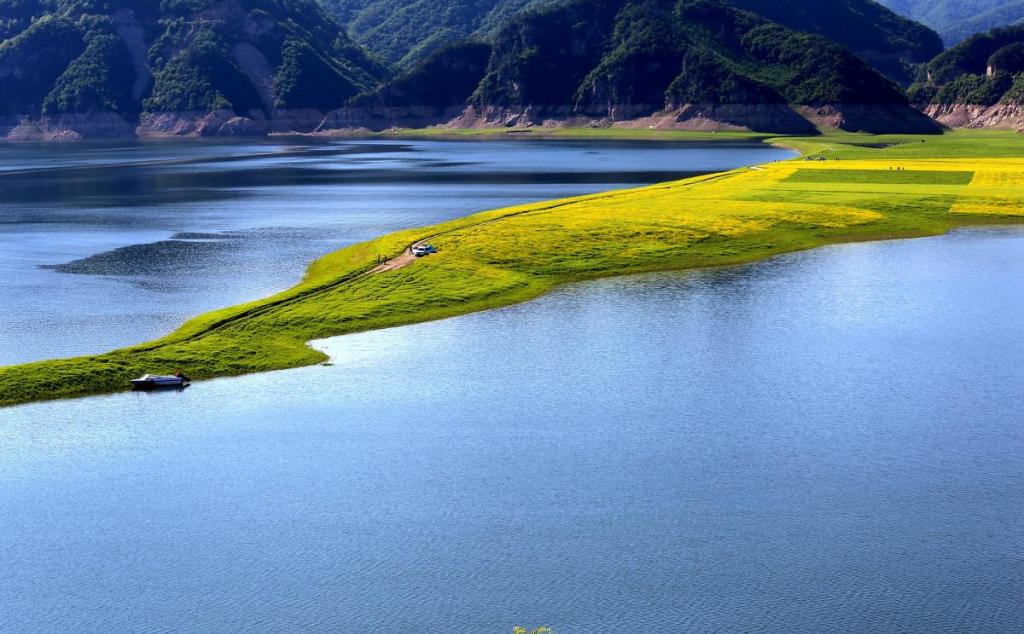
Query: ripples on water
point(103, 246)
point(827, 441)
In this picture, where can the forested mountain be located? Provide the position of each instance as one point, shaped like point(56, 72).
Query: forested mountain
point(985, 69)
point(433, 91)
point(624, 59)
point(405, 32)
point(95, 67)
point(978, 83)
point(252, 58)
point(445, 79)
point(891, 43)
point(956, 20)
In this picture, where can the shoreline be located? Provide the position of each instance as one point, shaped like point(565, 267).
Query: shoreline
point(484, 264)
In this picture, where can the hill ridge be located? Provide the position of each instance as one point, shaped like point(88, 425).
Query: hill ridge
point(691, 64)
point(83, 68)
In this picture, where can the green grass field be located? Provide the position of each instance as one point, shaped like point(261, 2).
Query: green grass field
point(510, 255)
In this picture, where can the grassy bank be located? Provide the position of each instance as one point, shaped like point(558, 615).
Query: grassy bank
point(867, 188)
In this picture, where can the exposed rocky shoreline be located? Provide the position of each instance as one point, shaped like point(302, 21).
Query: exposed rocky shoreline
point(775, 118)
point(1000, 116)
point(219, 123)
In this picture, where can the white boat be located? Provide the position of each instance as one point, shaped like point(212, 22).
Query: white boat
point(153, 381)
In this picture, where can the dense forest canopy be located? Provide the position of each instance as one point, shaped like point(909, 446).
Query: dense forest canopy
point(404, 32)
point(593, 54)
point(956, 20)
point(83, 56)
point(986, 69)
point(261, 58)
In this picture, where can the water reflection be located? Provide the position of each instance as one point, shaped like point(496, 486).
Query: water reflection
point(722, 450)
point(102, 246)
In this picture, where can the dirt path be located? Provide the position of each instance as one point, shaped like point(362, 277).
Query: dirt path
point(393, 264)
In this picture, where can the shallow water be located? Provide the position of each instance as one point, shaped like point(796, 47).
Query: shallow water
point(107, 245)
point(828, 441)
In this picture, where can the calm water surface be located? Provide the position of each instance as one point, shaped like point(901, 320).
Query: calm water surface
point(107, 245)
point(829, 441)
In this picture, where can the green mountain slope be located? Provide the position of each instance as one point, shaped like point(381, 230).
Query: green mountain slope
point(446, 79)
point(434, 91)
point(253, 58)
point(627, 58)
point(986, 69)
point(405, 32)
point(956, 20)
point(889, 42)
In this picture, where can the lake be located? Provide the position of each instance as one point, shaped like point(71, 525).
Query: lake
point(102, 246)
point(827, 441)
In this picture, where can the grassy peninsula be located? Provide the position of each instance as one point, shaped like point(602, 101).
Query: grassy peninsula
point(863, 188)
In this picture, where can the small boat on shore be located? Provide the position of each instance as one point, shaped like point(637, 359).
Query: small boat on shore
point(158, 381)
